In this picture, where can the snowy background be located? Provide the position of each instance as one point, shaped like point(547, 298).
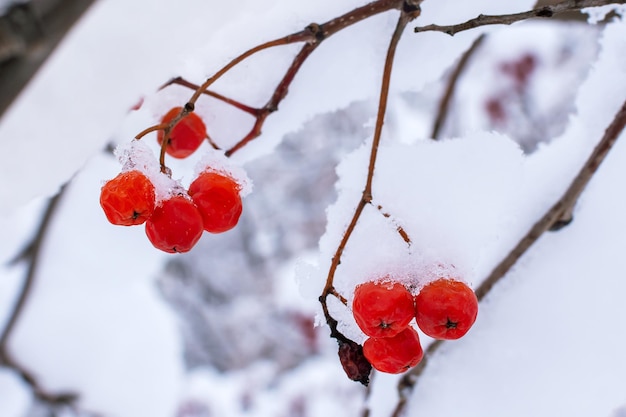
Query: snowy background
point(229, 328)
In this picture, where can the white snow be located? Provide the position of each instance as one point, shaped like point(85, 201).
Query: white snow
point(16, 396)
point(548, 339)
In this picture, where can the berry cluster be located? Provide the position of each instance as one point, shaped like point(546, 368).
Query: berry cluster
point(175, 221)
point(443, 309)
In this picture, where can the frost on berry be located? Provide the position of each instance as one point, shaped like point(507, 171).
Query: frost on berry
point(128, 199)
point(186, 136)
point(446, 309)
point(394, 354)
point(215, 161)
point(175, 225)
point(382, 309)
point(137, 155)
point(353, 361)
point(218, 200)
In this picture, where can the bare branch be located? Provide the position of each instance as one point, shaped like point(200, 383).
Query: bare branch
point(507, 19)
point(564, 205)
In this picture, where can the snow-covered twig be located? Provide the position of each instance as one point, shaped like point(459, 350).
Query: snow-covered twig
point(563, 207)
point(406, 16)
point(30, 254)
point(507, 19)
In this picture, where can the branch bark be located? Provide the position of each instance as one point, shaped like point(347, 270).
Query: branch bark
point(507, 19)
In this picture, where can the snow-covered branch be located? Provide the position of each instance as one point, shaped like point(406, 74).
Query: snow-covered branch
point(563, 207)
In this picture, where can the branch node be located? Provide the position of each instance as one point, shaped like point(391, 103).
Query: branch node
point(545, 12)
point(317, 31)
point(411, 8)
point(561, 223)
point(189, 107)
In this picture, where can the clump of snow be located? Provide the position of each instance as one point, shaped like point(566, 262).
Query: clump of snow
point(216, 161)
point(136, 155)
point(598, 14)
point(441, 194)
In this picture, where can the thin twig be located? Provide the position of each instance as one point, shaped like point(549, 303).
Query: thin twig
point(564, 205)
point(366, 196)
point(403, 234)
point(507, 19)
point(408, 13)
point(279, 94)
point(184, 83)
point(446, 98)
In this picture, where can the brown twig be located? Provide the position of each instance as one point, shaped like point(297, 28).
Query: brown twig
point(366, 196)
point(279, 94)
point(31, 254)
point(446, 98)
point(507, 19)
point(564, 205)
point(238, 105)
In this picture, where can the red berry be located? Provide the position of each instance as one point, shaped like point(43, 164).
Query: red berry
point(175, 225)
point(394, 354)
point(186, 136)
point(128, 199)
point(218, 200)
point(382, 309)
point(446, 309)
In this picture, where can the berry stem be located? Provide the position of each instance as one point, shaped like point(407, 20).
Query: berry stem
point(366, 198)
point(150, 129)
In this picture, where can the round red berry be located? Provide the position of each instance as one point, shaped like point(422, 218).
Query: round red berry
point(186, 136)
point(217, 198)
point(128, 199)
point(394, 354)
point(382, 309)
point(446, 309)
point(175, 225)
